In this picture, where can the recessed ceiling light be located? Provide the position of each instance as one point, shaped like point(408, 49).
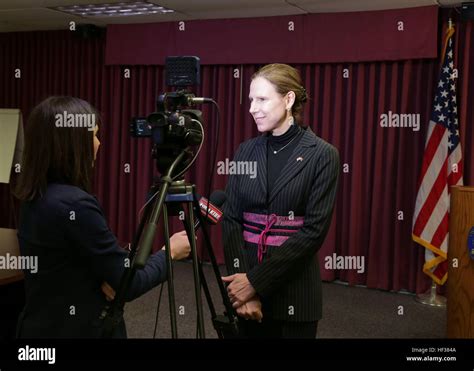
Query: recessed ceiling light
point(114, 9)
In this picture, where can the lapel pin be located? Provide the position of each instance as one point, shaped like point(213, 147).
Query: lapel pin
point(299, 159)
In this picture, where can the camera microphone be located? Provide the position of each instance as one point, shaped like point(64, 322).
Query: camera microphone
point(198, 100)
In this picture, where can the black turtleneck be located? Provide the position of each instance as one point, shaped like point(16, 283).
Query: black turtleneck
point(276, 161)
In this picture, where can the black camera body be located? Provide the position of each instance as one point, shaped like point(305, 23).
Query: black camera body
point(174, 127)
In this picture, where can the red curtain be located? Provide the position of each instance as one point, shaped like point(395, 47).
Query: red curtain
point(408, 33)
point(376, 195)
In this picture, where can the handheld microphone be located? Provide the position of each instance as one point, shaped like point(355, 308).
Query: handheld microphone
point(214, 215)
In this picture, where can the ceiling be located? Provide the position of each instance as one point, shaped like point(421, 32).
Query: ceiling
point(32, 15)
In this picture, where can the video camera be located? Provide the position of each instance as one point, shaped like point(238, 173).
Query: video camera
point(174, 127)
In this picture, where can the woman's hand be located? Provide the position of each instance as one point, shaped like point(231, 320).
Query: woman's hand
point(251, 309)
point(240, 290)
point(179, 245)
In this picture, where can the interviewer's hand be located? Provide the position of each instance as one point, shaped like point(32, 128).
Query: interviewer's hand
point(108, 291)
point(180, 247)
point(251, 309)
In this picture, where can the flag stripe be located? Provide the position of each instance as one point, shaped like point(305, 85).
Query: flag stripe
point(432, 146)
point(436, 218)
point(455, 178)
point(431, 201)
point(434, 169)
point(441, 270)
point(441, 232)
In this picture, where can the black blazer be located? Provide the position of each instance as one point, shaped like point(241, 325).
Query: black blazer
point(76, 252)
point(288, 279)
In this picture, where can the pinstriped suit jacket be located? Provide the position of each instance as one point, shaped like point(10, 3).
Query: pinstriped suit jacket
point(288, 279)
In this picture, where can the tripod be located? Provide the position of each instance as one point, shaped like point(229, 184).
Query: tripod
point(170, 192)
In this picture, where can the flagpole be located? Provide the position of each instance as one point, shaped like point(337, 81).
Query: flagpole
point(431, 297)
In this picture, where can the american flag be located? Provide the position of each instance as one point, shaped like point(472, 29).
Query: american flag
point(442, 167)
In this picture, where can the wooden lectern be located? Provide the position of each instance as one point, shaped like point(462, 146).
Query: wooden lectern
point(460, 305)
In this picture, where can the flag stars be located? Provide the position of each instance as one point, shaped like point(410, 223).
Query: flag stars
point(453, 141)
point(444, 105)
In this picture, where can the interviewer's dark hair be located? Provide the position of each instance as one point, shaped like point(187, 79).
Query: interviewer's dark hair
point(286, 78)
point(53, 153)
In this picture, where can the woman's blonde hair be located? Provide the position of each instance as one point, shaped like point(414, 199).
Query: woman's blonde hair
point(285, 79)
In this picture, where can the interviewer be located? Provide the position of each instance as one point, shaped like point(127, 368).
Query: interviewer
point(62, 223)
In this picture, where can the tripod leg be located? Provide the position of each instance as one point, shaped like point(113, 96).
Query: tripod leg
point(204, 284)
point(207, 293)
point(197, 281)
point(113, 313)
point(169, 261)
point(228, 326)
